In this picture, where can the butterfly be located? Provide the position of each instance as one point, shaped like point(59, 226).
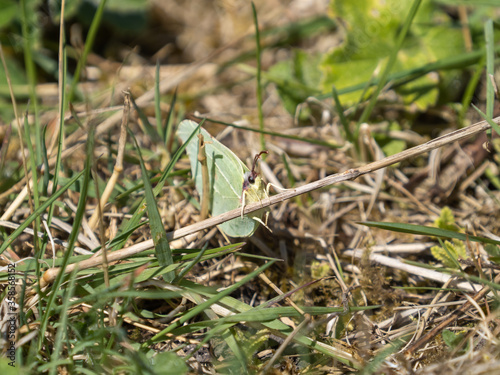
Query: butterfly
point(231, 183)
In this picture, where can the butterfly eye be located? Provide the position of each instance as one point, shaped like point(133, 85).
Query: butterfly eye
point(248, 179)
point(250, 176)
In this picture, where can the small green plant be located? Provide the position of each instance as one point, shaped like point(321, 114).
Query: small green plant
point(450, 251)
point(446, 220)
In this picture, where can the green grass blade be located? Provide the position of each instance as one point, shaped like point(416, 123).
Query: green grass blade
point(490, 66)
point(258, 77)
point(427, 231)
point(256, 315)
point(289, 174)
point(162, 248)
point(34, 177)
point(89, 42)
point(169, 124)
point(62, 108)
point(470, 90)
point(240, 362)
point(270, 314)
point(392, 60)
point(492, 123)
point(3, 149)
point(31, 74)
point(191, 264)
point(150, 130)
point(373, 366)
point(157, 99)
point(281, 135)
point(342, 118)
point(205, 305)
point(494, 286)
point(45, 158)
point(451, 257)
point(63, 323)
point(80, 212)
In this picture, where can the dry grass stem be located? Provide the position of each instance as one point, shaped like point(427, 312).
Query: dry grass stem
point(350, 174)
point(118, 168)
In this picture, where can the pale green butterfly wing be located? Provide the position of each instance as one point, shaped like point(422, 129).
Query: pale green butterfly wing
point(225, 175)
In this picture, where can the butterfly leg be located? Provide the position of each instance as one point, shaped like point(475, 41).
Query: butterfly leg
point(276, 187)
point(258, 220)
point(243, 203)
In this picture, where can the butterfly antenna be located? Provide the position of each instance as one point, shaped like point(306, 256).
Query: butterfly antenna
point(256, 158)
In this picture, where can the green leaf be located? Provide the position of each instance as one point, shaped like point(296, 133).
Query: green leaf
point(226, 173)
point(372, 27)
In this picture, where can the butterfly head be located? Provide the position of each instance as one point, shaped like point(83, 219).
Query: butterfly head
point(252, 177)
